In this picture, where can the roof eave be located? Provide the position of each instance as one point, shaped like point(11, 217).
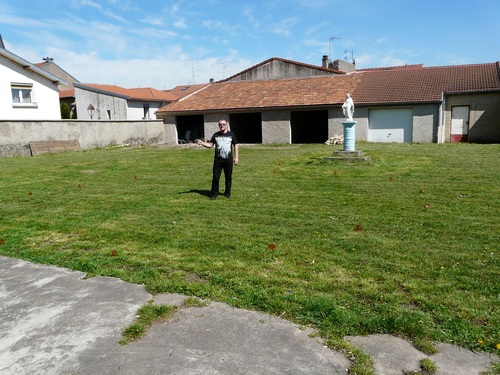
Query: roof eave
point(152, 100)
point(246, 109)
point(478, 91)
point(396, 103)
point(26, 65)
point(100, 91)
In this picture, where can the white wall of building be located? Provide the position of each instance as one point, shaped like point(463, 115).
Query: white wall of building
point(106, 107)
point(45, 96)
point(135, 110)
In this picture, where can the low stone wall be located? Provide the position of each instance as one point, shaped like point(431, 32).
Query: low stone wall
point(15, 136)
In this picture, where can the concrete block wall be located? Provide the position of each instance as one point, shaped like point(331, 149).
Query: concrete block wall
point(212, 123)
point(276, 127)
point(425, 123)
point(15, 136)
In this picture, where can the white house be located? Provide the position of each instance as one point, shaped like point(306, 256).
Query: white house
point(26, 91)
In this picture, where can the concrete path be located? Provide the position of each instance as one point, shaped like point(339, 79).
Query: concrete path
point(54, 321)
point(395, 356)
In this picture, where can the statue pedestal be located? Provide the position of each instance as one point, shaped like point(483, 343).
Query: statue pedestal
point(349, 134)
point(349, 153)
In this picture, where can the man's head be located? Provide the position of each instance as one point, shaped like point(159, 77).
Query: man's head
point(223, 126)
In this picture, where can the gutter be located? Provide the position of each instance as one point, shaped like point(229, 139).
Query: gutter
point(441, 128)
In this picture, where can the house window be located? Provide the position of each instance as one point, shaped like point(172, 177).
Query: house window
point(22, 94)
point(146, 111)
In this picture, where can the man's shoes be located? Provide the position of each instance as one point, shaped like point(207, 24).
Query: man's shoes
point(214, 196)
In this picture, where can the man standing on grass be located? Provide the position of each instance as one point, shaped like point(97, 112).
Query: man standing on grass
point(224, 140)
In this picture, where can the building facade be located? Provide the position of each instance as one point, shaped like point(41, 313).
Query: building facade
point(398, 104)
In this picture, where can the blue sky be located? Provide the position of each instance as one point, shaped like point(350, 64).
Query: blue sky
point(162, 44)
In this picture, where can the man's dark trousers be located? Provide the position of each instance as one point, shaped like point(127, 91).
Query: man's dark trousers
point(220, 165)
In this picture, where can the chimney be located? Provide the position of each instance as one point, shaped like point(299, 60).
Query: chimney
point(324, 62)
point(343, 66)
point(212, 80)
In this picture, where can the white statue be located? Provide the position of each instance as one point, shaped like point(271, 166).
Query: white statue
point(348, 108)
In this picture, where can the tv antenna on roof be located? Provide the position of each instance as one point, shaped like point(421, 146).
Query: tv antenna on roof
point(330, 44)
point(352, 55)
point(47, 59)
point(192, 67)
point(224, 66)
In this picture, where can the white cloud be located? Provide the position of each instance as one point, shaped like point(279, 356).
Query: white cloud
point(152, 20)
point(16, 21)
point(159, 73)
point(108, 12)
point(114, 16)
point(365, 60)
point(382, 40)
point(248, 13)
point(180, 23)
point(284, 27)
point(453, 59)
point(319, 4)
point(87, 3)
point(213, 24)
point(315, 43)
point(392, 61)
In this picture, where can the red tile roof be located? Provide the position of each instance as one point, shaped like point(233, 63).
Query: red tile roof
point(425, 84)
point(148, 93)
point(185, 90)
point(265, 94)
point(143, 94)
point(397, 67)
point(67, 93)
point(384, 86)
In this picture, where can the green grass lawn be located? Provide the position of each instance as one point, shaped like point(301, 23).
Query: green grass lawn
point(407, 243)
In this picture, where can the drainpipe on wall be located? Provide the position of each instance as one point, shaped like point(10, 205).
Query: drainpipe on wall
point(440, 130)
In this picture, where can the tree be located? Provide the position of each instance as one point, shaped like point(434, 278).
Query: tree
point(65, 111)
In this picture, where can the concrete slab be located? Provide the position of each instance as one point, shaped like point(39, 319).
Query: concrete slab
point(50, 316)
point(219, 339)
point(453, 360)
point(54, 321)
point(350, 156)
point(392, 355)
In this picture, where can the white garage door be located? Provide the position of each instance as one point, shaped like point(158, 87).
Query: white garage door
point(390, 125)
